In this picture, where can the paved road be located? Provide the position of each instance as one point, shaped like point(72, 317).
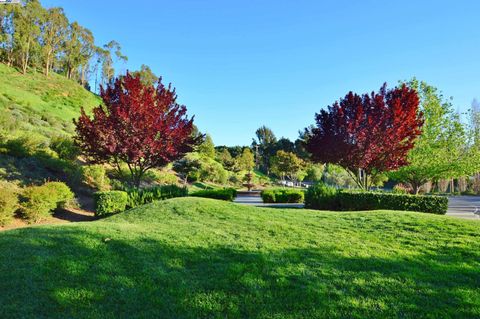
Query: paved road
point(466, 207)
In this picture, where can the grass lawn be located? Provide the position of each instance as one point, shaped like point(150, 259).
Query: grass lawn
point(201, 258)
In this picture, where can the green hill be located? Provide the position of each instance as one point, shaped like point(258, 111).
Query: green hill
point(200, 258)
point(39, 104)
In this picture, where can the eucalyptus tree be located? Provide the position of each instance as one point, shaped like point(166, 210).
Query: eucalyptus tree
point(53, 35)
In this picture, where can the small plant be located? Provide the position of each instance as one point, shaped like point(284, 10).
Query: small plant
point(95, 176)
point(111, 202)
point(227, 194)
point(8, 202)
point(39, 202)
point(65, 148)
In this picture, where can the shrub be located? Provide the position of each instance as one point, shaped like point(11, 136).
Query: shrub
point(95, 176)
point(360, 200)
point(65, 148)
point(110, 202)
point(321, 196)
point(61, 192)
point(8, 202)
point(25, 146)
point(227, 194)
point(137, 197)
point(283, 195)
point(161, 177)
point(37, 203)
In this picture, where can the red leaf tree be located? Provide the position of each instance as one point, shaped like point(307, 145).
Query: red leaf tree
point(367, 134)
point(140, 125)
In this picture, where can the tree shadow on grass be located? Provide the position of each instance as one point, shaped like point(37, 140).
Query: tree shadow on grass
point(75, 272)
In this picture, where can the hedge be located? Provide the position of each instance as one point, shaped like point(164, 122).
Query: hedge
point(110, 202)
point(137, 197)
point(283, 195)
point(227, 194)
point(322, 197)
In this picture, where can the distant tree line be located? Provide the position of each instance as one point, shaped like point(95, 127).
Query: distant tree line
point(36, 38)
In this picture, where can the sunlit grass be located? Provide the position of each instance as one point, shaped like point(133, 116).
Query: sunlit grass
point(201, 258)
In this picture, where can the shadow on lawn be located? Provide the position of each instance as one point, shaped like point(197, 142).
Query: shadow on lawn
point(64, 273)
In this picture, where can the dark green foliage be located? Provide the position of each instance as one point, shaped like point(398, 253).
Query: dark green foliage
point(320, 197)
point(283, 195)
point(227, 194)
point(8, 203)
point(137, 197)
point(65, 148)
point(111, 202)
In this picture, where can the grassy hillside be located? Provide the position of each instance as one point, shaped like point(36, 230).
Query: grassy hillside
point(200, 258)
point(35, 103)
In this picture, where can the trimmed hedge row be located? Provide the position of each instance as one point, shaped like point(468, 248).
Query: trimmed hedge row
point(137, 197)
point(111, 202)
point(227, 194)
point(328, 198)
point(283, 195)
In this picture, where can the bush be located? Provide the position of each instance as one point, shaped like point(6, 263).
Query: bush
point(318, 198)
point(137, 197)
point(227, 194)
point(62, 194)
point(95, 176)
point(283, 195)
point(111, 202)
point(8, 202)
point(38, 202)
point(65, 148)
point(321, 196)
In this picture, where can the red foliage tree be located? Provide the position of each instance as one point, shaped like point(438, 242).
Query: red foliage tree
point(140, 125)
point(367, 134)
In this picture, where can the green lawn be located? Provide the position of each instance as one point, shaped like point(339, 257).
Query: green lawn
point(201, 258)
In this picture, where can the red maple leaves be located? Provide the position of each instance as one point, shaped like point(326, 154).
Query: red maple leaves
point(372, 132)
point(140, 125)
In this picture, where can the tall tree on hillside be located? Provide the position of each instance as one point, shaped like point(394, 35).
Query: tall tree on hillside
point(86, 54)
point(142, 126)
point(146, 75)
point(440, 151)
point(207, 148)
point(26, 24)
point(72, 48)
point(245, 161)
point(367, 134)
point(7, 34)
point(53, 33)
point(110, 50)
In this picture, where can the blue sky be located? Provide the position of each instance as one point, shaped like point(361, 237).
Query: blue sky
point(238, 65)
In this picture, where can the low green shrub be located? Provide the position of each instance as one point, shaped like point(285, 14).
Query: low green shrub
point(39, 202)
point(65, 148)
point(96, 177)
point(110, 202)
point(321, 198)
point(61, 192)
point(137, 197)
point(283, 195)
point(8, 202)
point(227, 194)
